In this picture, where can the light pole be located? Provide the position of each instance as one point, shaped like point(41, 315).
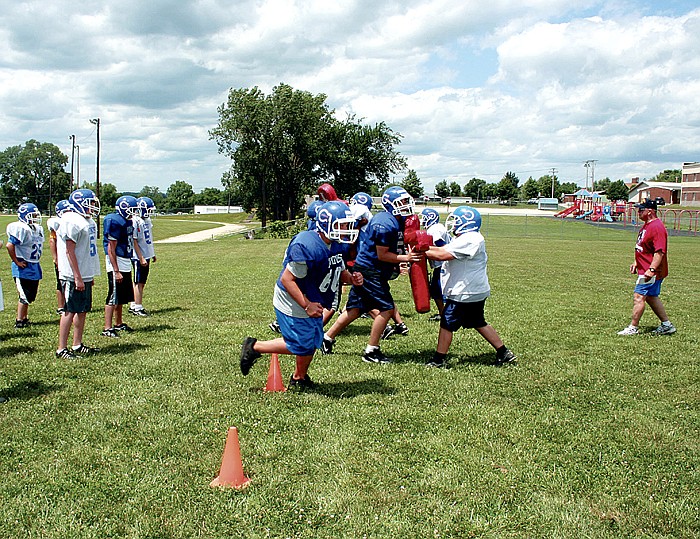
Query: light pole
point(72, 159)
point(77, 167)
point(48, 154)
point(96, 121)
point(554, 171)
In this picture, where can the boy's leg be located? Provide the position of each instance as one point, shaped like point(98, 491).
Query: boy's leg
point(65, 323)
point(302, 367)
point(378, 326)
point(444, 341)
point(78, 327)
point(490, 334)
point(109, 314)
point(273, 346)
point(344, 320)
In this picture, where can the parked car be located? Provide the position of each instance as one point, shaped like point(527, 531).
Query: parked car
point(660, 201)
point(532, 201)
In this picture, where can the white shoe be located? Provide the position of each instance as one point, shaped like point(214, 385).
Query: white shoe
point(630, 330)
point(664, 329)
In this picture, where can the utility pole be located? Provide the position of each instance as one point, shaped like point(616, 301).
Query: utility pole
point(590, 163)
point(77, 168)
point(72, 159)
point(96, 121)
point(553, 171)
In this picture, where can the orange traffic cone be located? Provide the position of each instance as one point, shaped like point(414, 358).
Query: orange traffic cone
point(231, 474)
point(274, 376)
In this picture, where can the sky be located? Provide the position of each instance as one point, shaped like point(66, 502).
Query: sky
point(476, 89)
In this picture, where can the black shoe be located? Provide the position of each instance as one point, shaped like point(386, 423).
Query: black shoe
point(435, 318)
point(401, 329)
point(139, 312)
point(65, 354)
point(248, 355)
point(123, 327)
point(20, 324)
point(388, 331)
point(61, 311)
point(375, 356)
point(111, 333)
point(436, 364)
point(300, 384)
point(508, 358)
point(83, 350)
point(274, 326)
point(327, 346)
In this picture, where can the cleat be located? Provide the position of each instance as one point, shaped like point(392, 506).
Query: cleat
point(401, 329)
point(274, 326)
point(248, 355)
point(61, 311)
point(435, 364)
point(388, 331)
point(665, 329)
point(300, 384)
point(376, 356)
point(123, 327)
point(508, 358)
point(20, 324)
point(83, 350)
point(111, 333)
point(629, 330)
point(139, 312)
point(327, 346)
point(435, 318)
point(65, 354)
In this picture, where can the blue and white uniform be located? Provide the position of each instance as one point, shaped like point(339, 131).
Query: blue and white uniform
point(143, 236)
point(83, 232)
point(383, 230)
point(117, 228)
point(29, 243)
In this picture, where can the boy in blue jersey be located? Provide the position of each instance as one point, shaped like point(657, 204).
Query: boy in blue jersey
point(378, 257)
point(25, 243)
point(118, 240)
point(312, 270)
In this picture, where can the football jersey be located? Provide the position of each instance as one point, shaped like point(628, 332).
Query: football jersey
point(464, 278)
point(83, 232)
point(53, 223)
point(29, 242)
point(317, 267)
point(383, 230)
point(440, 238)
point(144, 238)
point(116, 228)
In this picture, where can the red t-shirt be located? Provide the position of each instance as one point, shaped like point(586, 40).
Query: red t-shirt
point(652, 237)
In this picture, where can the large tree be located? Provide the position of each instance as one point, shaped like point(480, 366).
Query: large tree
point(442, 189)
point(411, 183)
point(668, 175)
point(530, 189)
point(108, 194)
point(33, 173)
point(179, 197)
point(617, 190)
point(474, 189)
point(154, 194)
point(507, 188)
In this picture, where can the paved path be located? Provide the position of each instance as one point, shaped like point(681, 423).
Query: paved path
point(224, 229)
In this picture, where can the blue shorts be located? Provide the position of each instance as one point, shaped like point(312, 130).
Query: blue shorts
point(651, 290)
point(435, 286)
point(463, 315)
point(301, 335)
point(373, 294)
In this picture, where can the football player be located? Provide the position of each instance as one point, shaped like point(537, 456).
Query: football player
point(78, 265)
point(24, 245)
point(465, 285)
point(118, 240)
point(144, 252)
point(312, 271)
point(430, 221)
point(380, 253)
point(53, 223)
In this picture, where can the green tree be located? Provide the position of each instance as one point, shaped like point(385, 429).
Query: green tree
point(566, 188)
point(474, 188)
point(154, 194)
point(211, 196)
point(33, 173)
point(507, 188)
point(179, 197)
point(108, 195)
point(489, 191)
point(668, 175)
point(455, 189)
point(411, 183)
point(441, 189)
point(530, 189)
point(617, 190)
point(545, 184)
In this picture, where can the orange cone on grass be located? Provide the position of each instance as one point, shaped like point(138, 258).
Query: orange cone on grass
point(274, 376)
point(231, 473)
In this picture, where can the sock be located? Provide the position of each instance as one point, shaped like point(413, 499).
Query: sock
point(666, 323)
point(370, 349)
point(327, 338)
point(500, 352)
point(439, 358)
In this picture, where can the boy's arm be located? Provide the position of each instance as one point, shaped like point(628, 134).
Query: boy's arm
point(73, 261)
point(313, 309)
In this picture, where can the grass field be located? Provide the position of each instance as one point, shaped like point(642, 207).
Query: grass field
point(592, 435)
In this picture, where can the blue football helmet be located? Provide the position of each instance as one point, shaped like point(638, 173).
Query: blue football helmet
point(463, 219)
point(429, 217)
point(312, 208)
point(146, 207)
point(362, 198)
point(127, 206)
point(85, 202)
point(397, 201)
point(29, 213)
point(62, 206)
point(331, 219)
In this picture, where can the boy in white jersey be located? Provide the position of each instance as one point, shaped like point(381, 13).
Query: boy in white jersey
point(78, 265)
point(24, 245)
point(144, 252)
point(55, 243)
point(465, 285)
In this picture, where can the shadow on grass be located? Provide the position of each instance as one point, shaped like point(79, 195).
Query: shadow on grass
point(12, 351)
point(115, 347)
point(29, 389)
point(46, 323)
point(167, 310)
point(349, 390)
point(154, 327)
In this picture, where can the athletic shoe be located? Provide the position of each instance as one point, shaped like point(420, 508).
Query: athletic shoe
point(629, 330)
point(20, 324)
point(364, 315)
point(111, 333)
point(327, 346)
point(300, 384)
point(124, 327)
point(375, 356)
point(435, 318)
point(65, 354)
point(139, 312)
point(388, 331)
point(401, 329)
point(665, 329)
point(3, 400)
point(436, 364)
point(248, 355)
point(508, 358)
point(83, 350)
point(274, 326)
point(60, 311)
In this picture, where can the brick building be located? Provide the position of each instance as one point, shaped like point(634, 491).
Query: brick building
point(690, 184)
